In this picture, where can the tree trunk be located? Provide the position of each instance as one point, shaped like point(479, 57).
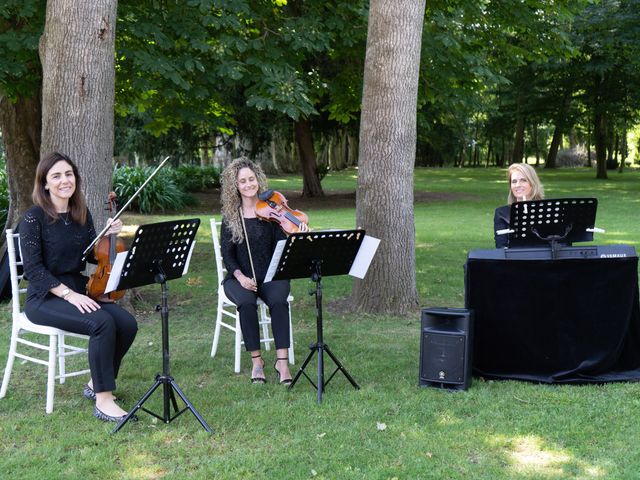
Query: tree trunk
point(559, 130)
point(550, 162)
point(536, 144)
point(384, 201)
point(600, 141)
point(77, 56)
point(310, 180)
point(20, 123)
point(518, 143)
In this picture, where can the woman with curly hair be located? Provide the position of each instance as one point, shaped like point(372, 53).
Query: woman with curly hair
point(247, 264)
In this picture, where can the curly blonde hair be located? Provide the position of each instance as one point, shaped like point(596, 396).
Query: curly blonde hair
point(230, 196)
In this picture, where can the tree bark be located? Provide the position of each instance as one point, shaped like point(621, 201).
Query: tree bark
point(518, 143)
point(77, 56)
point(552, 154)
point(600, 141)
point(384, 201)
point(310, 180)
point(20, 123)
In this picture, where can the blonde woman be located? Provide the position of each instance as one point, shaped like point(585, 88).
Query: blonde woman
point(524, 184)
point(247, 263)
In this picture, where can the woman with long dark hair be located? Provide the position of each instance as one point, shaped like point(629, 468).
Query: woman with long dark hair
point(54, 233)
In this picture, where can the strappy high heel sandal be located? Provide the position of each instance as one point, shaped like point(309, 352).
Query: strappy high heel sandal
point(258, 380)
point(282, 381)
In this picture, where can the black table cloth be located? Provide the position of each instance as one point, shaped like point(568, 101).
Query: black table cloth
point(555, 321)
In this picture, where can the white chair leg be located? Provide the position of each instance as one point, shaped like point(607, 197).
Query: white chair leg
point(9, 367)
point(216, 333)
point(61, 358)
point(238, 345)
point(265, 326)
point(51, 375)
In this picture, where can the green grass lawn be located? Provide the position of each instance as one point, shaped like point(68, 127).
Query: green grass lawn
point(390, 428)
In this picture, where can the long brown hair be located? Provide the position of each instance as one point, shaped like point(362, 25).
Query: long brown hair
point(230, 195)
point(42, 197)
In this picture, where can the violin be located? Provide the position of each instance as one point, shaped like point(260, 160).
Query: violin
point(105, 252)
point(272, 206)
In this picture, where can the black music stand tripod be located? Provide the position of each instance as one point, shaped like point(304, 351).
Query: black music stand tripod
point(160, 252)
point(314, 254)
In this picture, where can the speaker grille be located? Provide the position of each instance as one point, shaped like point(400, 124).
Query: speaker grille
point(442, 357)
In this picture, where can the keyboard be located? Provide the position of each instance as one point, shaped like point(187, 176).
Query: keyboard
point(544, 253)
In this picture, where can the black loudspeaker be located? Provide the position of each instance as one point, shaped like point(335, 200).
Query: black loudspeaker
point(445, 348)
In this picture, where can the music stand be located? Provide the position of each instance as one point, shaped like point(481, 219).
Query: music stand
point(552, 222)
point(160, 252)
point(314, 254)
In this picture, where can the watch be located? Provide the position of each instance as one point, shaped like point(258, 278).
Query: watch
point(65, 292)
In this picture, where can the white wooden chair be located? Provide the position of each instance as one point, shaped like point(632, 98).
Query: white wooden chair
point(226, 308)
point(57, 349)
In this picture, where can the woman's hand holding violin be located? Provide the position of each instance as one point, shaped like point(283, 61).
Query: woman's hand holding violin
point(115, 226)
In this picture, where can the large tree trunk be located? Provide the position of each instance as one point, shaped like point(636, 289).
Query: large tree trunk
point(518, 143)
point(384, 205)
point(552, 154)
point(310, 179)
point(600, 141)
point(20, 123)
point(77, 56)
point(559, 130)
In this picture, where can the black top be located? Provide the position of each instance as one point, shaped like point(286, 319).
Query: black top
point(263, 237)
point(52, 252)
point(501, 220)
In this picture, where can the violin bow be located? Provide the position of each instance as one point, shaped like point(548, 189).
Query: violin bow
point(246, 237)
point(117, 215)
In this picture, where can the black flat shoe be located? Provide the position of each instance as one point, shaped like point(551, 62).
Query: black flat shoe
point(259, 380)
point(100, 415)
point(282, 381)
point(88, 393)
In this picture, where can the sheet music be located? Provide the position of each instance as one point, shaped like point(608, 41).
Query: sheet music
point(275, 259)
point(116, 271)
point(365, 255)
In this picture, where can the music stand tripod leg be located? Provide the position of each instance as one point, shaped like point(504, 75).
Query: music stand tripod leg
point(319, 347)
point(169, 384)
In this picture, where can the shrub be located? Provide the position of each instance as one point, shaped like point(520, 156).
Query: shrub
point(572, 157)
point(161, 193)
point(191, 178)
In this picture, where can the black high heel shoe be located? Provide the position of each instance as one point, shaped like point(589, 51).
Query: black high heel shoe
point(258, 380)
point(282, 381)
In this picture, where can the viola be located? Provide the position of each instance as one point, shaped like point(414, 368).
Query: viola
point(105, 252)
point(272, 206)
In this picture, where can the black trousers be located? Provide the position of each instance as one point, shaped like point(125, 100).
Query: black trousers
point(274, 294)
point(111, 331)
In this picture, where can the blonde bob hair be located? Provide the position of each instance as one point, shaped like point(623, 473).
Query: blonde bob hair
point(528, 172)
point(230, 195)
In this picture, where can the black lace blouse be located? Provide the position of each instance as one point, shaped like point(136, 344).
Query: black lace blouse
point(52, 252)
point(263, 237)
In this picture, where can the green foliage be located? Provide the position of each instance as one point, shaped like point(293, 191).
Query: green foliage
point(161, 193)
point(191, 178)
point(21, 24)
